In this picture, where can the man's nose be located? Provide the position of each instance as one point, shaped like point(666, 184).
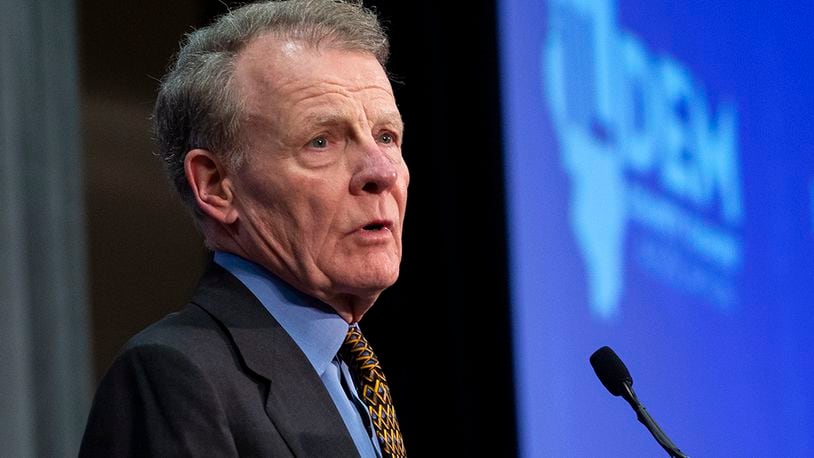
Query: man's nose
point(375, 174)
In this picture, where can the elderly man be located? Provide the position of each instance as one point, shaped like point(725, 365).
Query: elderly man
point(280, 131)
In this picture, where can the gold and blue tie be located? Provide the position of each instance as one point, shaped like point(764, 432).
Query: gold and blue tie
point(372, 388)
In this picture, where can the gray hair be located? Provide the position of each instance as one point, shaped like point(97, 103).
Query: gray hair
point(197, 104)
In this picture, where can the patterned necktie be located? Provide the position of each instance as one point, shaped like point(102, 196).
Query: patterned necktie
point(372, 388)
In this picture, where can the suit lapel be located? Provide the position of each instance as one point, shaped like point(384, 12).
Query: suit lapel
point(297, 402)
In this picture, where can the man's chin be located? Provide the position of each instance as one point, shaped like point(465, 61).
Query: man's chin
point(368, 284)
point(370, 287)
point(365, 276)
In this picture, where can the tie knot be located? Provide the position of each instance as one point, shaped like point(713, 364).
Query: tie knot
point(357, 352)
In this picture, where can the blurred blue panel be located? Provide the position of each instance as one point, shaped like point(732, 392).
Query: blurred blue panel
point(659, 170)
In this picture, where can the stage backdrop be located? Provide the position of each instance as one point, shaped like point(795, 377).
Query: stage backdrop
point(660, 183)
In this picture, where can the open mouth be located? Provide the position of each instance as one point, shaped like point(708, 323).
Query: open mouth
point(376, 226)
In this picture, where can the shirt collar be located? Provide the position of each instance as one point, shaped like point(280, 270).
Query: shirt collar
point(315, 327)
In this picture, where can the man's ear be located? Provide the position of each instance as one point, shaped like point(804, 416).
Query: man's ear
point(210, 185)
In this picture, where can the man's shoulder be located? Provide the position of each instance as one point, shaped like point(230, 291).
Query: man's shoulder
point(185, 351)
point(194, 328)
point(185, 329)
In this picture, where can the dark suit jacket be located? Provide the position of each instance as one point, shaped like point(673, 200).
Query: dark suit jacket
point(219, 378)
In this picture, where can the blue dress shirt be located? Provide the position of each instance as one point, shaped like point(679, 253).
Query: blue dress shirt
point(319, 332)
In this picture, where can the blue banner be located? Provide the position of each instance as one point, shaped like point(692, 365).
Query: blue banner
point(660, 183)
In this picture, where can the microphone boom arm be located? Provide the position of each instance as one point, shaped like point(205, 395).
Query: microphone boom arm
point(651, 425)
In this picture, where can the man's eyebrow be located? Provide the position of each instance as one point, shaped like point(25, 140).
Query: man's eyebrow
point(395, 123)
point(325, 119)
point(391, 118)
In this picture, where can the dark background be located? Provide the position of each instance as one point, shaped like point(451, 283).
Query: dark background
point(442, 331)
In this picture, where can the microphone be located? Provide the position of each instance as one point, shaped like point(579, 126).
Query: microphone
point(616, 378)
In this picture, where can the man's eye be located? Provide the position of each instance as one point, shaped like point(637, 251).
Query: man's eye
point(386, 138)
point(319, 142)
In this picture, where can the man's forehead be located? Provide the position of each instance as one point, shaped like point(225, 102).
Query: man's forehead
point(271, 51)
point(271, 65)
point(272, 43)
point(265, 54)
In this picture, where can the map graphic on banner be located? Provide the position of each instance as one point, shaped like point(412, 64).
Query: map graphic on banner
point(634, 159)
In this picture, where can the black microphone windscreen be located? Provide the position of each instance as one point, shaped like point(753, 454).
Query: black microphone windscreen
point(610, 370)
